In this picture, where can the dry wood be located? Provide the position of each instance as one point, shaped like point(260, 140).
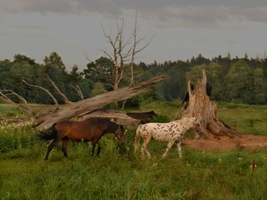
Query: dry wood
point(117, 116)
point(44, 89)
point(58, 90)
point(199, 104)
point(83, 107)
point(21, 107)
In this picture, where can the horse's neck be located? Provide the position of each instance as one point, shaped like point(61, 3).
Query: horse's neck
point(187, 125)
point(111, 128)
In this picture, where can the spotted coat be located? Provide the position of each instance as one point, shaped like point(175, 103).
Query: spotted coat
point(172, 132)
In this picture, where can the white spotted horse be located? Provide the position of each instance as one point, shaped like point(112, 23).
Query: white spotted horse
point(172, 132)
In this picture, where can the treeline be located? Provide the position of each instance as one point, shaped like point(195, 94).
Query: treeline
point(239, 80)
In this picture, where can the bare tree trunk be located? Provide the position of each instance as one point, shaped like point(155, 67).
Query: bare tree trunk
point(83, 107)
point(199, 104)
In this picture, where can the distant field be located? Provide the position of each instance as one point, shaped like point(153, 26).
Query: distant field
point(120, 174)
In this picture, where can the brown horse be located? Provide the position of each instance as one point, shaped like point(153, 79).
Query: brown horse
point(88, 130)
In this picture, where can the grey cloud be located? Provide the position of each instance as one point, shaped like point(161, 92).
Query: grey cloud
point(168, 12)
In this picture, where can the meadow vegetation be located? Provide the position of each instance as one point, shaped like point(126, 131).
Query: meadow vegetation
point(118, 173)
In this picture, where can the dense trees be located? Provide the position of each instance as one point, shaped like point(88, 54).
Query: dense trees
point(238, 80)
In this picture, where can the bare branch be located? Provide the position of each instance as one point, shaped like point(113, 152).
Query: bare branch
point(42, 88)
point(58, 90)
point(87, 58)
point(83, 107)
point(134, 49)
point(5, 98)
point(78, 90)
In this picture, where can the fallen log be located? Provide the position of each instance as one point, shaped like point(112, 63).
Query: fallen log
point(86, 106)
point(117, 116)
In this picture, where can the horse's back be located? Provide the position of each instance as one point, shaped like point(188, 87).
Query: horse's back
point(77, 131)
point(158, 131)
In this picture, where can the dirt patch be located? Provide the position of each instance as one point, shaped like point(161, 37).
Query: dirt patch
point(227, 143)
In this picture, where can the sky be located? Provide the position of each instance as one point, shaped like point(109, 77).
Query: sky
point(179, 29)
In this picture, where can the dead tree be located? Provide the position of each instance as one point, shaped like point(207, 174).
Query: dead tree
point(88, 106)
point(199, 104)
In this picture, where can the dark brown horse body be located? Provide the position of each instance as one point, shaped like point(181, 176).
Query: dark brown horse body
point(144, 117)
point(88, 130)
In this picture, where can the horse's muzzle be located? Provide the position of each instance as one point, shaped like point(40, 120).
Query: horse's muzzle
point(122, 142)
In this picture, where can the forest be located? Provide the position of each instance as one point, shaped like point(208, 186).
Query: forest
point(237, 80)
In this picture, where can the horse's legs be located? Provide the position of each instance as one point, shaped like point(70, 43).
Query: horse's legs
point(94, 143)
point(64, 147)
point(168, 148)
point(50, 147)
point(93, 149)
point(98, 149)
point(179, 147)
point(144, 147)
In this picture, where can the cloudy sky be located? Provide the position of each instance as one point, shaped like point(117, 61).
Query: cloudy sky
point(182, 28)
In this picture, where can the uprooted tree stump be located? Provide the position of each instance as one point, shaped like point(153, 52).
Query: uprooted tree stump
point(199, 104)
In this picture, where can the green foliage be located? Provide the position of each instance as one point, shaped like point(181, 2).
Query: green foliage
point(99, 71)
point(239, 80)
point(98, 88)
point(260, 86)
point(133, 102)
point(54, 59)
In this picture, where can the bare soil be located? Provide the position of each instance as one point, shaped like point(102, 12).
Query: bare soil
point(226, 143)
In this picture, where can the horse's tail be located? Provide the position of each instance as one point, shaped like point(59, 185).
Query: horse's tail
point(49, 135)
point(137, 138)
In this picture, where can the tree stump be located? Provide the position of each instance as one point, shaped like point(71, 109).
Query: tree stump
point(199, 104)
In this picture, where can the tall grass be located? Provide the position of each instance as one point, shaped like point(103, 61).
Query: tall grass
point(199, 175)
point(118, 173)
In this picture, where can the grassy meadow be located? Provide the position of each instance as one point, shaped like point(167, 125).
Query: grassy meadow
point(120, 174)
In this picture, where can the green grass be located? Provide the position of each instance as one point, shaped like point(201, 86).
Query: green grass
point(118, 173)
point(247, 119)
point(199, 175)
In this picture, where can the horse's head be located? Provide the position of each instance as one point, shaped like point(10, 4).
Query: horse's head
point(119, 133)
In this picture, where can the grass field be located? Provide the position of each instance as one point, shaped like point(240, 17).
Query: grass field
point(120, 174)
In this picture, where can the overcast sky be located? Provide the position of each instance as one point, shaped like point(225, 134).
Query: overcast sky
point(183, 28)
